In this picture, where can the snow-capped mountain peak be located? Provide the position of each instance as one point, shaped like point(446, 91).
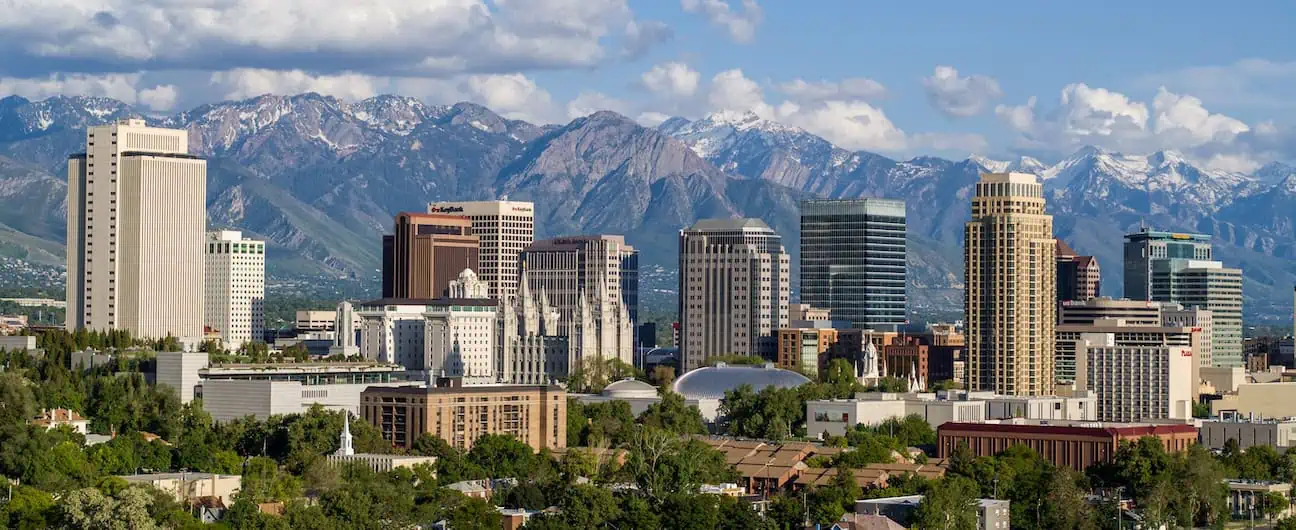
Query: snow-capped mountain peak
point(1023, 164)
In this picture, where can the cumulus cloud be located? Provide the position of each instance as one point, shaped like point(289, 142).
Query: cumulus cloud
point(587, 103)
point(733, 91)
point(641, 36)
point(740, 23)
point(848, 124)
point(1097, 116)
point(960, 96)
point(1253, 82)
point(377, 37)
point(672, 79)
point(123, 87)
point(249, 82)
point(851, 88)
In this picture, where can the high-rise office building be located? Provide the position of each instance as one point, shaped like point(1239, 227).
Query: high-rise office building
point(135, 224)
point(1010, 297)
point(235, 285)
point(425, 253)
point(853, 260)
point(1078, 277)
point(734, 278)
point(593, 283)
point(1177, 268)
point(504, 229)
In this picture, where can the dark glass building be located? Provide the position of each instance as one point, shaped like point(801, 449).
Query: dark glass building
point(853, 260)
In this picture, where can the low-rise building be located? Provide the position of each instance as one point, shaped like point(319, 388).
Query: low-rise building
point(235, 390)
point(992, 514)
point(52, 419)
point(1077, 445)
point(836, 416)
point(1261, 400)
point(188, 487)
point(1222, 379)
point(800, 349)
point(443, 337)
point(379, 463)
point(1247, 432)
point(534, 414)
point(17, 342)
point(1244, 497)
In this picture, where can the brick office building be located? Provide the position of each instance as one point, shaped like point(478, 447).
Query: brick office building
point(1077, 445)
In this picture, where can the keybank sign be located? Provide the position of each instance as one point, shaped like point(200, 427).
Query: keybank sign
point(446, 209)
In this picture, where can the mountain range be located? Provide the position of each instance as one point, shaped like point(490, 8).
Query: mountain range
point(320, 179)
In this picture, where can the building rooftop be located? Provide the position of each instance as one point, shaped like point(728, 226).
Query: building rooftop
point(300, 368)
point(571, 243)
point(713, 381)
point(630, 388)
point(150, 477)
point(749, 223)
point(435, 302)
point(126, 154)
point(425, 390)
point(1019, 425)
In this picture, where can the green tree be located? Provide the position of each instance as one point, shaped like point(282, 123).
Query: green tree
point(89, 508)
point(474, 514)
point(526, 495)
point(690, 512)
point(587, 507)
point(29, 509)
point(950, 505)
point(1286, 523)
point(672, 414)
point(503, 456)
point(1063, 493)
point(1273, 504)
point(663, 464)
point(17, 400)
point(637, 514)
point(263, 481)
point(839, 379)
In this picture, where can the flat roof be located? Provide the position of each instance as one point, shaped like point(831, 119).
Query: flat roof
point(1054, 427)
point(749, 223)
point(161, 155)
point(439, 302)
point(424, 390)
point(173, 476)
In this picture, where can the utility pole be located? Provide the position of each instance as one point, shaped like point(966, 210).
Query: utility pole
point(1119, 490)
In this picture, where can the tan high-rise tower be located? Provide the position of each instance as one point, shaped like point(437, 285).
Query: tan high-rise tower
point(1011, 291)
point(136, 219)
point(425, 253)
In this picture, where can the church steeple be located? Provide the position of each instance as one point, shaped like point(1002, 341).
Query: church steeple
point(344, 448)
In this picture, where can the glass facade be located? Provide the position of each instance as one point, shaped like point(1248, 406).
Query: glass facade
point(853, 260)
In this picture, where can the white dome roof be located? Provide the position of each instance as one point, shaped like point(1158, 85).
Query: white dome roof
point(630, 388)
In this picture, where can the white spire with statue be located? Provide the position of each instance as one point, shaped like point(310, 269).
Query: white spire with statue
point(866, 368)
point(345, 448)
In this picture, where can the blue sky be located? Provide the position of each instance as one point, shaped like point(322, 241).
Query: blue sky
point(900, 78)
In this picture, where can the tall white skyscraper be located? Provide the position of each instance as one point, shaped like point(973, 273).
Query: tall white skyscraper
point(135, 223)
point(235, 299)
point(503, 229)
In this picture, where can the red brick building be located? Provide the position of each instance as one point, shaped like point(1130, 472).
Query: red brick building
point(1076, 445)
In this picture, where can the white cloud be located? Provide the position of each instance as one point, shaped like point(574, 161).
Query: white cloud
point(250, 82)
point(652, 119)
point(377, 37)
point(673, 79)
point(741, 24)
point(733, 91)
point(960, 96)
point(161, 97)
point(514, 96)
point(123, 87)
point(851, 88)
point(1097, 116)
point(1020, 117)
point(849, 124)
point(587, 103)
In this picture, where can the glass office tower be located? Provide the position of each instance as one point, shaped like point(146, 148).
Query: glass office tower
point(853, 260)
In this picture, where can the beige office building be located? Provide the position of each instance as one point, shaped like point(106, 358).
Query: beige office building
point(135, 224)
point(735, 279)
point(235, 288)
point(534, 414)
point(1010, 299)
point(1137, 372)
point(504, 229)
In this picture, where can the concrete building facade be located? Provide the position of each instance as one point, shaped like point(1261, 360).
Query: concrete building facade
point(445, 337)
point(1138, 373)
point(534, 414)
point(425, 253)
point(593, 284)
point(504, 229)
point(836, 416)
point(853, 260)
point(1248, 432)
point(235, 288)
point(735, 285)
point(135, 224)
point(800, 349)
point(1010, 299)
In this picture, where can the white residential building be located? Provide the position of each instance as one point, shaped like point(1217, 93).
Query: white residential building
point(1138, 373)
point(445, 337)
point(235, 285)
point(135, 223)
point(504, 229)
point(836, 416)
